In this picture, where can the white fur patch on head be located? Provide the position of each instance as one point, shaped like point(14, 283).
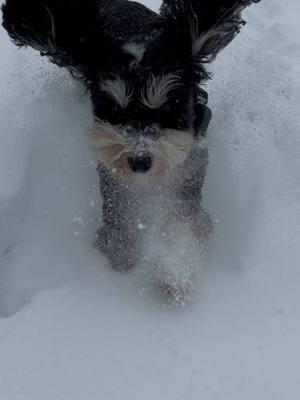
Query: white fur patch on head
point(157, 89)
point(137, 50)
point(118, 90)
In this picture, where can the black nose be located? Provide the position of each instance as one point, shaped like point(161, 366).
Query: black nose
point(140, 163)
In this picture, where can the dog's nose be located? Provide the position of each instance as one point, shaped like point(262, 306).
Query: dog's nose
point(140, 163)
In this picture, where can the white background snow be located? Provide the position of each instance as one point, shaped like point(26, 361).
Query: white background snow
point(70, 327)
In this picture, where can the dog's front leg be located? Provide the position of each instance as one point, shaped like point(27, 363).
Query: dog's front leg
point(117, 242)
point(118, 237)
point(178, 246)
point(177, 242)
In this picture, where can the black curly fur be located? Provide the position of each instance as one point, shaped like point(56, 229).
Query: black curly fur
point(87, 36)
point(212, 24)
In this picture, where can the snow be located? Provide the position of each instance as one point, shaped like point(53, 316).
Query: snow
point(70, 327)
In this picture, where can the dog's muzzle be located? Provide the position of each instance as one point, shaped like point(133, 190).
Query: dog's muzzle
point(140, 163)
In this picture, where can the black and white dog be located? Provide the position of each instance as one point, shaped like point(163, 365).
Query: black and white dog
point(144, 73)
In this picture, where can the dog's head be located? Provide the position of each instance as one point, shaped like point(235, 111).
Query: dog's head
point(143, 70)
point(144, 118)
point(146, 102)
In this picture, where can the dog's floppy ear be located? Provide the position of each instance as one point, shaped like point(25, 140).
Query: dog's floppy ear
point(66, 31)
point(212, 24)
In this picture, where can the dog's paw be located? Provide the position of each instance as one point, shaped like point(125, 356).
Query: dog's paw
point(121, 254)
point(176, 293)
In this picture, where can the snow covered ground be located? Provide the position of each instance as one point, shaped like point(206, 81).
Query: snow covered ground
point(70, 327)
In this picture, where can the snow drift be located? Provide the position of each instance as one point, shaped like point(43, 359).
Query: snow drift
point(73, 328)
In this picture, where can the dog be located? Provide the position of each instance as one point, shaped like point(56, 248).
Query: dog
point(145, 74)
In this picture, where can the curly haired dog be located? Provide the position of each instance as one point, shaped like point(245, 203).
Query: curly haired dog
point(144, 73)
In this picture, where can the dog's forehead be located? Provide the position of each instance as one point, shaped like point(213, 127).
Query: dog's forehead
point(138, 88)
point(136, 60)
point(131, 79)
